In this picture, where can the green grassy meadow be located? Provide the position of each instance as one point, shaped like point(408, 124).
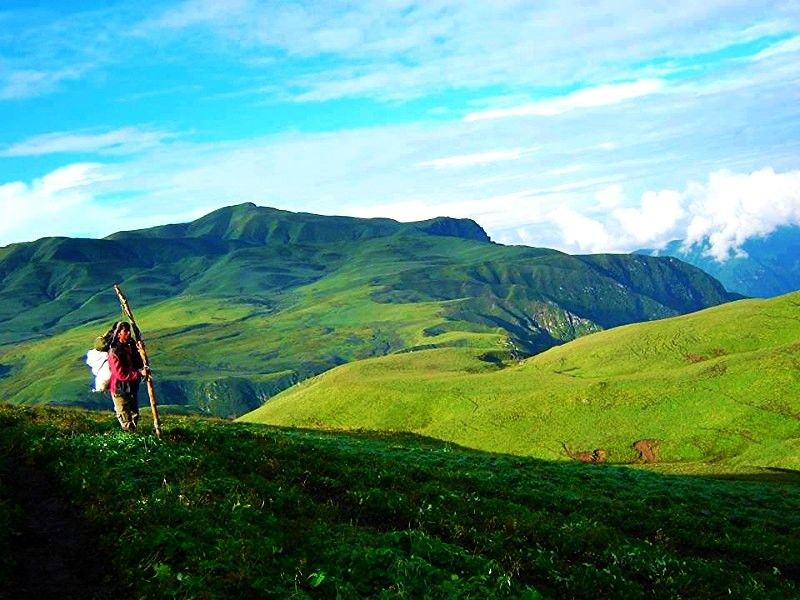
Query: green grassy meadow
point(224, 510)
point(720, 390)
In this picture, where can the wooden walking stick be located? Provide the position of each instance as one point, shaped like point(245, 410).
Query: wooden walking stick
point(148, 377)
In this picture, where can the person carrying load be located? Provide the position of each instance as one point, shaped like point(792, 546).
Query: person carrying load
point(127, 370)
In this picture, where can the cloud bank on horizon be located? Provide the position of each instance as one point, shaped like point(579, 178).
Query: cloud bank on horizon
point(589, 128)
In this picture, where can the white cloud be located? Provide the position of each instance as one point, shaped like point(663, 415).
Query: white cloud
point(73, 177)
point(469, 160)
point(731, 208)
point(51, 204)
point(722, 212)
point(602, 95)
point(657, 216)
point(611, 197)
point(581, 232)
point(79, 200)
point(118, 141)
point(725, 211)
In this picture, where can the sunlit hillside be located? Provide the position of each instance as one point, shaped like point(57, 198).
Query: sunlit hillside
point(719, 387)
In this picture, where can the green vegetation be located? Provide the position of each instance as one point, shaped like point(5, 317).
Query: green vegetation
point(248, 301)
point(720, 390)
point(223, 510)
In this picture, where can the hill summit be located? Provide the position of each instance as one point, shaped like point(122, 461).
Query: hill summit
point(263, 225)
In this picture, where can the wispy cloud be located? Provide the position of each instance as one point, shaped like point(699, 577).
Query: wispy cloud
point(388, 50)
point(126, 140)
point(480, 159)
point(786, 46)
point(593, 97)
point(46, 48)
point(28, 83)
point(197, 12)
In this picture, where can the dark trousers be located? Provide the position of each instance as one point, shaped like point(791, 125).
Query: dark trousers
point(126, 404)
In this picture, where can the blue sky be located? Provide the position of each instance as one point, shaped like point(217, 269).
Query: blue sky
point(589, 127)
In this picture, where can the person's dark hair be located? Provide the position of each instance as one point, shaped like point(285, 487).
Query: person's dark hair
point(117, 328)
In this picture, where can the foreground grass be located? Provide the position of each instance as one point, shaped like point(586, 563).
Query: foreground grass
point(217, 509)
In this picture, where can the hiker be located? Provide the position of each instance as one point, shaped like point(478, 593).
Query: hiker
point(127, 370)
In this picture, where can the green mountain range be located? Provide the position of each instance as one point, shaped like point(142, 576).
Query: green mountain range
point(767, 266)
point(247, 301)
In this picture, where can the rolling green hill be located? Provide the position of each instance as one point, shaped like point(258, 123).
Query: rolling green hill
point(247, 301)
point(720, 387)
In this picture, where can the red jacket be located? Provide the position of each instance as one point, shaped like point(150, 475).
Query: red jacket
point(124, 361)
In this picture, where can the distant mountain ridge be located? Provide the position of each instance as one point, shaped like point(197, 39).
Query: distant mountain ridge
point(771, 266)
point(264, 225)
point(248, 300)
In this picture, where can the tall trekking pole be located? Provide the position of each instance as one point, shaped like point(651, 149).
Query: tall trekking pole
point(148, 377)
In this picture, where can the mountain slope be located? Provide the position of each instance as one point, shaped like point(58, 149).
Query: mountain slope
point(246, 301)
point(718, 385)
point(770, 266)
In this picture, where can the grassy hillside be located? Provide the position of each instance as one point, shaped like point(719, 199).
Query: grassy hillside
point(227, 357)
point(247, 301)
point(719, 387)
point(223, 510)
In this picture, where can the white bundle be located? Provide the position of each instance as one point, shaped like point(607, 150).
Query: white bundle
point(98, 363)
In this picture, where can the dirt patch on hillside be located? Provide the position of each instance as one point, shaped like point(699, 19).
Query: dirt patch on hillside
point(647, 450)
